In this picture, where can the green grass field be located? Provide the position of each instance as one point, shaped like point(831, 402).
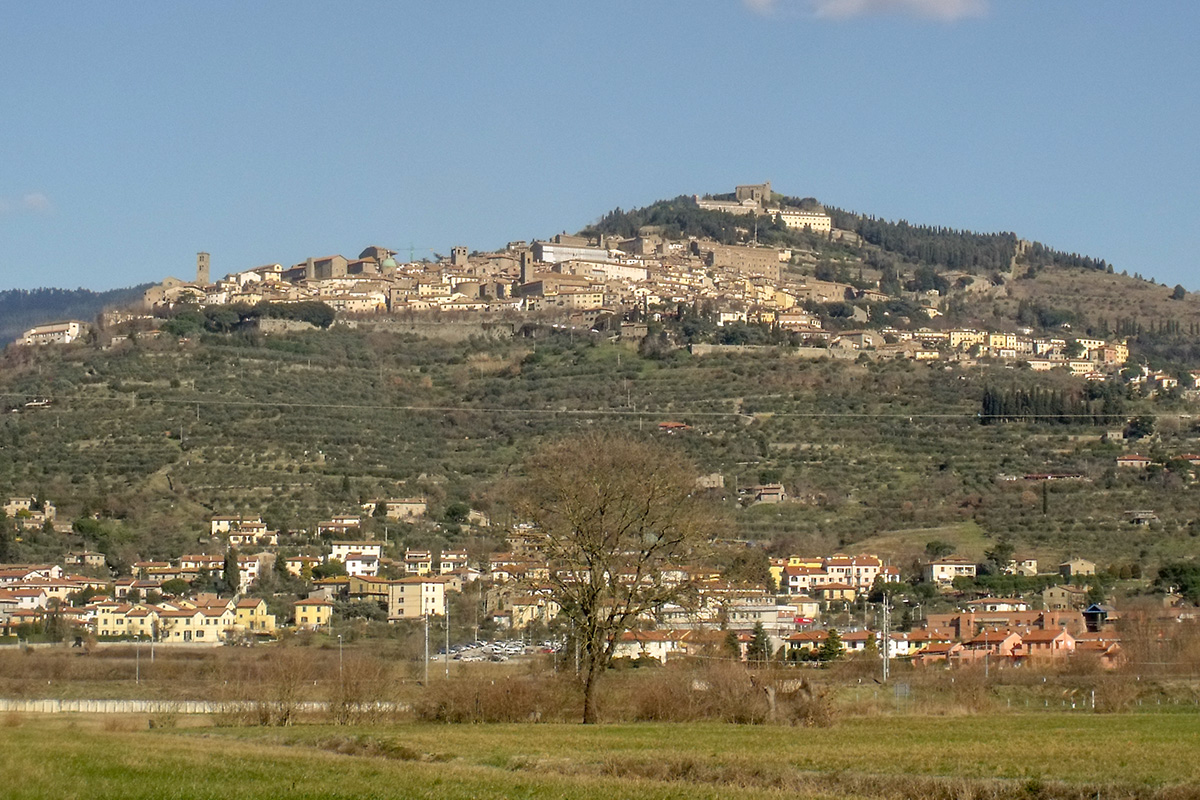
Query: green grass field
point(995, 756)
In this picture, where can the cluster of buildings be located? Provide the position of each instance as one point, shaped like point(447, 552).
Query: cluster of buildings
point(829, 578)
point(126, 607)
point(147, 602)
point(813, 592)
point(30, 512)
point(809, 594)
point(995, 630)
point(998, 631)
point(28, 591)
point(758, 199)
point(1087, 357)
point(566, 273)
point(570, 273)
point(584, 278)
point(942, 572)
point(205, 619)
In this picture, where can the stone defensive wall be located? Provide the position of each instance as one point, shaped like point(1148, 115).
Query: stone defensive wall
point(448, 330)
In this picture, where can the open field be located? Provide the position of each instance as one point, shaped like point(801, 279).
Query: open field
point(967, 539)
point(999, 756)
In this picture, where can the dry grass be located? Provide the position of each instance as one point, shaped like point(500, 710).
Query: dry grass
point(483, 696)
point(272, 684)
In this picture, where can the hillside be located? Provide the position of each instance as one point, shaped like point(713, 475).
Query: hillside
point(990, 280)
point(21, 309)
point(155, 435)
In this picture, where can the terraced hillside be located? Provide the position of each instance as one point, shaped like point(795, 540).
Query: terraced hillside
point(162, 433)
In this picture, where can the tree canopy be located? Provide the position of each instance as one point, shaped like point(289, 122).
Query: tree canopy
point(616, 512)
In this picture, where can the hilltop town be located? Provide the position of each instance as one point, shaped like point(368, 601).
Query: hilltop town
point(622, 284)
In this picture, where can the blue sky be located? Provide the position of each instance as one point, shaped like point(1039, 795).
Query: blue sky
point(133, 135)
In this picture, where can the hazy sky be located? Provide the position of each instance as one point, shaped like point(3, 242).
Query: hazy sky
point(134, 134)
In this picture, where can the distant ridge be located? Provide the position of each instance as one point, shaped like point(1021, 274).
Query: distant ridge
point(21, 309)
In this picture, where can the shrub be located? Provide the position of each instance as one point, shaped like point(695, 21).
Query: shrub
point(508, 699)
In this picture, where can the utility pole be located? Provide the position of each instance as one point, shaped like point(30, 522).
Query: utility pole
point(887, 640)
point(447, 601)
point(426, 649)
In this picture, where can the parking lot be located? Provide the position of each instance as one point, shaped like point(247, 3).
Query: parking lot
point(499, 650)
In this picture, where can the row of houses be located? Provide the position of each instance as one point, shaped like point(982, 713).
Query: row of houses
point(241, 530)
point(952, 638)
point(943, 571)
point(206, 619)
point(194, 566)
point(836, 577)
point(921, 647)
point(27, 591)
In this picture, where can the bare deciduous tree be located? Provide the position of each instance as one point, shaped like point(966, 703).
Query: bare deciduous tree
point(615, 512)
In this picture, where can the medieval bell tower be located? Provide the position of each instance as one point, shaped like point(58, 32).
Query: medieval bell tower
point(202, 269)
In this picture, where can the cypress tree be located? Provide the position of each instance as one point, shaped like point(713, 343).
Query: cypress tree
point(230, 573)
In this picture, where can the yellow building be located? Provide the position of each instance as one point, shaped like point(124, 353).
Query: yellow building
point(533, 608)
point(124, 620)
point(209, 624)
point(816, 221)
point(776, 568)
point(966, 339)
point(1002, 341)
point(251, 615)
point(313, 613)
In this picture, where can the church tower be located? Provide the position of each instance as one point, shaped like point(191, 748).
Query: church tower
point(202, 269)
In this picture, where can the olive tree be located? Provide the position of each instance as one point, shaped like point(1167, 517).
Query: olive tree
point(615, 512)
